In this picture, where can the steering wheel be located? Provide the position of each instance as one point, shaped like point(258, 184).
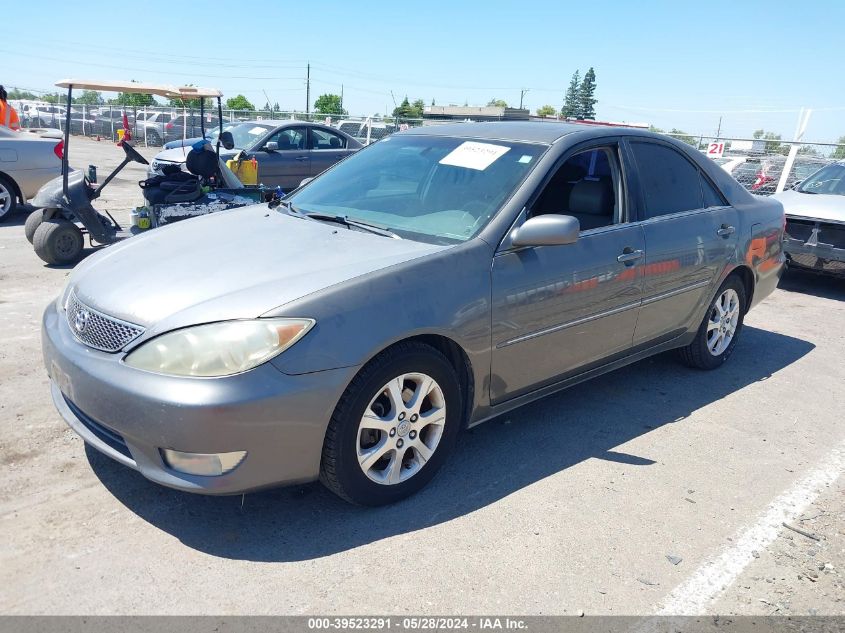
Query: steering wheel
point(132, 153)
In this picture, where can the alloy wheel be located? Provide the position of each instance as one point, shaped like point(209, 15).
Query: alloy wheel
point(401, 428)
point(723, 321)
point(6, 199)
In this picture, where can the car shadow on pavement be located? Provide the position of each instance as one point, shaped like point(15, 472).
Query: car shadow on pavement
point(490, 462)
point(805, 282)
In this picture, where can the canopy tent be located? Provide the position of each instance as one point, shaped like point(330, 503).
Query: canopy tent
point(162, 90)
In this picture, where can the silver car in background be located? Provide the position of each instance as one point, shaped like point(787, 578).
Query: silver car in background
point(815, 221)
point(432, 281)
point(27, 161)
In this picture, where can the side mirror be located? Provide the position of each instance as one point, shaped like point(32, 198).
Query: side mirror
point(227, 140)
point(547, 230)
point(271, 146)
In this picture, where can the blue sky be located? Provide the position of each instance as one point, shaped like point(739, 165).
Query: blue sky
point(671, 64)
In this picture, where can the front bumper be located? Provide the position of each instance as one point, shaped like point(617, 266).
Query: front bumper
point(815, 245)
point(128, 415)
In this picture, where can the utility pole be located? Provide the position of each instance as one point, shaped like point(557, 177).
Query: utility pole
point(719, 129)
point(308, 89)
point(341, 99)
point(521, 95)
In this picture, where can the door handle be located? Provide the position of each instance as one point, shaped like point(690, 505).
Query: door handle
point(725, 230)
point(301, 158)
point(629, 256)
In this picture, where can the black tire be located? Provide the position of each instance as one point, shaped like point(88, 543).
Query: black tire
point(340, 471)
point(697, 354)
point(153, 138)
point(58, 241)
point(8, 198)
point(33, 221)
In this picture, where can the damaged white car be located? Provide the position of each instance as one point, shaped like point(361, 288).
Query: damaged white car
point(815, 221)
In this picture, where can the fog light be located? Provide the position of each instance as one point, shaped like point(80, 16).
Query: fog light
point(208, 464)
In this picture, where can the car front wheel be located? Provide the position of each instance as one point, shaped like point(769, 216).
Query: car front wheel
point(393, 427)
point(718, 333)
point(8, 198)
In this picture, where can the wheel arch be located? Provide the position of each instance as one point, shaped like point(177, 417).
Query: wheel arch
point(15, 186)
point(746, 276)
point(457, 357)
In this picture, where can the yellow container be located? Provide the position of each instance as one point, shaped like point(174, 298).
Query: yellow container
point(120, 133)
point(245, 170)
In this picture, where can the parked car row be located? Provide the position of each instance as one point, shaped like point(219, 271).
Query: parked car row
point(286, 152)
point(761, 174)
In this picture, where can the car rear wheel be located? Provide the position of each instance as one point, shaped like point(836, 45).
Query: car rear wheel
point(153, 138)
point(8, 198)
point(718, 333)
point(394, 426)
point(33, 221)
point(58, 241)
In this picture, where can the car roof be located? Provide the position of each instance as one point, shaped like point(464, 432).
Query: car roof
point(523, 131)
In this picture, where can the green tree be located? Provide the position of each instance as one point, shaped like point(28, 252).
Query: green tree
point(417, 109)
point(572, 100)
point(408, 110)
point(546, 110)
point(239, 102)
point(89, 97)
point(652, 128)
point(276, 107)
point(683, 136)
point(14, 93)
point(586, 99)
point(497, 103)
point(328, 104)
point(773, 144)
point(839, 152)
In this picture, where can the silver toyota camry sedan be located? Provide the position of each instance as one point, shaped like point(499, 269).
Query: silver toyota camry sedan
point(430, 282)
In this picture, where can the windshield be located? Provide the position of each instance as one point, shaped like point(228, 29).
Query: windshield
point(829, 180)
point(429, 188)
point(247, 134)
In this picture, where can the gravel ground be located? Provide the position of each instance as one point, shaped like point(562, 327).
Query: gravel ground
point(584, 501)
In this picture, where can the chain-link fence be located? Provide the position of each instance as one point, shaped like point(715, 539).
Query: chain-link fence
point(756, 163)
point(156, 126)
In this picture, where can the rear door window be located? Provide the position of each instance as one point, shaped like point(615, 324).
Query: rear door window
point(670, 183)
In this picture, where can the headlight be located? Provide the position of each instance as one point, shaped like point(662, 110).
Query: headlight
point(218, 349)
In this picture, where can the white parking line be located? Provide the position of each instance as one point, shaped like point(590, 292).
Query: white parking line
point(709, 581)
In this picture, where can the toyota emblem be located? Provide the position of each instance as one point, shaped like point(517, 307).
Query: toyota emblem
point(81, 320)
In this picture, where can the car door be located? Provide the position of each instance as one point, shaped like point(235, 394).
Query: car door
point(557, 310)
point(327, 147)
point(287, 165)
point(690, 230)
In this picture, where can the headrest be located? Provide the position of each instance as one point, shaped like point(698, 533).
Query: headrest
point(201, 163)
point(591, 197)
point(334, 141)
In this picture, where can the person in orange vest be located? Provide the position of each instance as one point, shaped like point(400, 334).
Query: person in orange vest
point(8, 115)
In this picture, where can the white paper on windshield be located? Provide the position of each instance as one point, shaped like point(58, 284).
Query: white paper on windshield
point(258, 130)
point(474, 155)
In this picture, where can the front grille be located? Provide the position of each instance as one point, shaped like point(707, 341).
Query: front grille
point(98, 330)
point(106, 435)
point(832, 234)
point(800, 229)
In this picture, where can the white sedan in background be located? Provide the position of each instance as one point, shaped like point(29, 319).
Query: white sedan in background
point(27, 161)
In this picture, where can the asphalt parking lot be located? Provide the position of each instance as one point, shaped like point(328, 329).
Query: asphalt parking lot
point(655, 488)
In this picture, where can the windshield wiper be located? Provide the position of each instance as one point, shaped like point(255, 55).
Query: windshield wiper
point(348, 222)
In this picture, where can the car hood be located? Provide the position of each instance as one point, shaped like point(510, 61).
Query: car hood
point(233, 264)
point(178, 154)
point(820, 206)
